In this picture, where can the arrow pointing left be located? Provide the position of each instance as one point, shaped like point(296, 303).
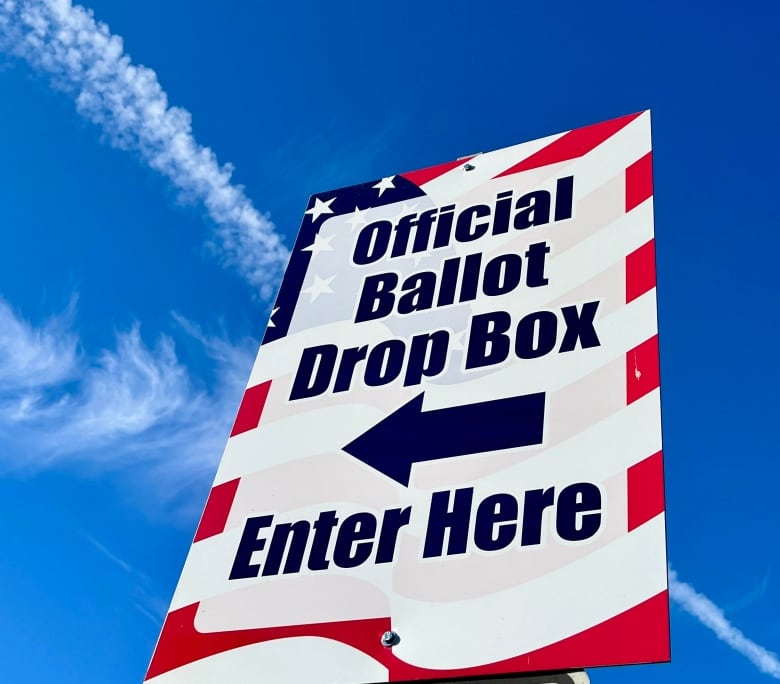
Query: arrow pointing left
point(410, 435)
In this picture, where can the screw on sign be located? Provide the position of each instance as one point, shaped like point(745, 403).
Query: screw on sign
point(390, 638)
point(447, 463)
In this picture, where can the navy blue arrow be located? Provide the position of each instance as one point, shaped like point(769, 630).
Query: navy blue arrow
point(409, 435)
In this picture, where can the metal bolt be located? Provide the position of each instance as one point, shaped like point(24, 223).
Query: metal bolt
point(469, 167)
point(390, 638)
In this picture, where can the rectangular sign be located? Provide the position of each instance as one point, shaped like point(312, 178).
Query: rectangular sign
point(447, 462)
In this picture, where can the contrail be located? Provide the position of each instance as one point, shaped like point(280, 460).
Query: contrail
point(127, 102)
point(706, 612)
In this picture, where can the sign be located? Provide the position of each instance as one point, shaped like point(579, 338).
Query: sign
point(447, 462)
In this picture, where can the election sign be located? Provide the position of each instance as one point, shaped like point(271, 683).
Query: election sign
point(447, 461)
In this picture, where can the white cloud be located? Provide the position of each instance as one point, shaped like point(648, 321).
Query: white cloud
point(133, 404)
point(35, 357)
point(130, 390)
point(127, 101)
point(712, 617)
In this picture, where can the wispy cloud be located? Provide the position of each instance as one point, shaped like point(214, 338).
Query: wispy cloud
point(112, 557)
point(712, 617)
point(128, 103)
point(128, 391)
point(752, 597)
point(35, 357)
point(145, 597)
point(135, 403)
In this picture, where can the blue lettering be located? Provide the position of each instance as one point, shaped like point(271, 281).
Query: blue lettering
point(392, 522)
point(376, 297)
point(242, 565)
point(385, 362)
point(496, 524)
point(314, 371)
point(536, 334)
point(578, 511)
point(488, 344)
point(442, 520)
point(297, 534)
point(372, 242)
point(427, 356)
point(354, 541)
point(579, 327)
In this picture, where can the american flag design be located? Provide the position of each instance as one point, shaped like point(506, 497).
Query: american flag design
point(580, 591)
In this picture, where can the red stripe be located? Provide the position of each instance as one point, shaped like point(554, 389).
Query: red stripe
point(642, 370)
point(638, 635)
point(639, 181)
point(181, 643)
point(645, 490)
point(248, 417)
point(572, 145)
point(640, 271)
point(423, 176)
point(217, 509)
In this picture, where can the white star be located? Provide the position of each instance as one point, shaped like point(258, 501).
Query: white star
point(320, 208)
point(419, 256)
point(358, 218)
point(384, 184)
point(318, 287)
point(405, 210)
point(320, 244)
point(271, 323)
point(458, 341)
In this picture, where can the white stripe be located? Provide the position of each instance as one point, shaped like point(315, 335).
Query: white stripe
point(280, 662)
point(591, 170)
point(558, 605)
point(620, 441)
point(606, 449)
point(450, 186)
point(289, 439)
point(283, 356)
point(618, 333)
point(618, 152)
point(583, 261)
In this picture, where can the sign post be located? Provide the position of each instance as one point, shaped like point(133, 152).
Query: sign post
point(447, 462)
point(577, 677)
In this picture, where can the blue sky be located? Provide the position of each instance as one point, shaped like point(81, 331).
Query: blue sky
point(135, 271)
